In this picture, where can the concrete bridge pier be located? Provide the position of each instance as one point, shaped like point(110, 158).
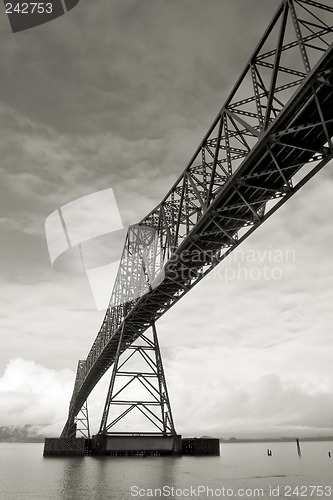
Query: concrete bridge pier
point(132, 445)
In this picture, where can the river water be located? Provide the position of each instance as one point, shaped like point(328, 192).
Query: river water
point(242, 471)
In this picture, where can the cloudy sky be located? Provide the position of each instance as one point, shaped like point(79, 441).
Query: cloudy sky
point(118, 95)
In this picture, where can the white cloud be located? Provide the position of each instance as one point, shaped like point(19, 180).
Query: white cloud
point(267, 404)
point(234, 392)
point(33, 394)
point(52, 321)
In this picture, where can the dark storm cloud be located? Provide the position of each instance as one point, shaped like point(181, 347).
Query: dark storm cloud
point(127, 66)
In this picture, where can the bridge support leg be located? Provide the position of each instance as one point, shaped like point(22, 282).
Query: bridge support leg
point(74, 439)
point(138, 385)
point(81, 421)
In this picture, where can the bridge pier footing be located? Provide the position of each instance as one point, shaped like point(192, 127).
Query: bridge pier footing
point(61, 447)
point(140, 445)
point(122, 445)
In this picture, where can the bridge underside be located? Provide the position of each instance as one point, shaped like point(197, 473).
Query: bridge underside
point(271, 136)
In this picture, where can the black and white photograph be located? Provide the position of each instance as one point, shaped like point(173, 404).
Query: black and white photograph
point(166, 235)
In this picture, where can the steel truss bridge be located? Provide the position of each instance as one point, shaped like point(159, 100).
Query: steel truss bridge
point(271, 136)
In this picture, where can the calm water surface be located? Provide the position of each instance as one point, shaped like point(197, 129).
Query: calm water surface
point(244, 470)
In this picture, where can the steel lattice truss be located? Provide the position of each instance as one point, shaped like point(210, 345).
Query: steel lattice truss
point(270, 137)
point(154, 403)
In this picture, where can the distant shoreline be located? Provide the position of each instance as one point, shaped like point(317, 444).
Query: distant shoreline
point(274, 440)
point(34, 434)
point(40, 439)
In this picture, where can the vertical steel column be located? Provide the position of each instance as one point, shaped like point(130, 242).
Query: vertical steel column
point(164, 396)
point(102, 429)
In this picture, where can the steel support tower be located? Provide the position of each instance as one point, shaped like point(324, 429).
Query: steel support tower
point(154, 403)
